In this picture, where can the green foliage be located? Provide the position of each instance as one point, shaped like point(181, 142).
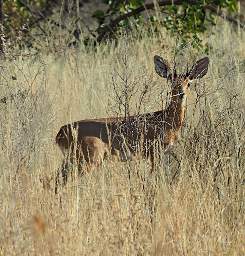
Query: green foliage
point(17, 16)
point(100, 16)
point(190, 20)
point(186, 21)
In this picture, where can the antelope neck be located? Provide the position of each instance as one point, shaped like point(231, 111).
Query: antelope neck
point(175, 112)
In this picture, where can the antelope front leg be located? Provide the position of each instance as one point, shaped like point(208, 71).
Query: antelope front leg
point(152, 159)
point(70, 158)
point(177, 171)
point(63, 172)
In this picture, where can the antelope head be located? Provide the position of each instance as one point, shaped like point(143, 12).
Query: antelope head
point(180, 83)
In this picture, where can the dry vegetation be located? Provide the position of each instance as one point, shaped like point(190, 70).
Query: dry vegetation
point(120, 208)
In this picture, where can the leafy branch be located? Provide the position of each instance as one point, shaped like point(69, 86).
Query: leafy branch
point(193, 17)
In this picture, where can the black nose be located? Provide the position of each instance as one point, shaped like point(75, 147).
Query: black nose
point(181, 95)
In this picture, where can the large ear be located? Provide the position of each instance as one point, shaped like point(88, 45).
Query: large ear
point(161, 66)
point(199, 69)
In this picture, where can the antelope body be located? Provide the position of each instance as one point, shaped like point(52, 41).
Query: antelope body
point(91, 141)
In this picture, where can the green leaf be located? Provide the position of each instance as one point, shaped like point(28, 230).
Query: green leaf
point(99, 14)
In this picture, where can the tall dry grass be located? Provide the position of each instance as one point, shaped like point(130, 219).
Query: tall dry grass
point(120, 208)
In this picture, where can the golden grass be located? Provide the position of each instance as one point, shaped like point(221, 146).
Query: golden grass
point(120, 208)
